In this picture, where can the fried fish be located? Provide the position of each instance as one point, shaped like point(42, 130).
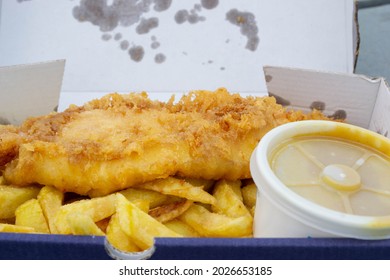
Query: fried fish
point(122, 140)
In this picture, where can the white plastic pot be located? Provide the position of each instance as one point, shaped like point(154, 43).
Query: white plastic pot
point(282, 211)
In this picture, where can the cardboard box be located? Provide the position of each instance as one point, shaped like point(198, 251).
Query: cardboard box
point(284, 83)
point(290, 40)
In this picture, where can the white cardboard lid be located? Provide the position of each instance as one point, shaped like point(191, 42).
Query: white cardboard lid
point(208, 54)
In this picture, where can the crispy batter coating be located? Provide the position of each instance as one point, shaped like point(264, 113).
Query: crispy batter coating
point(9, 143)
point(120, 141)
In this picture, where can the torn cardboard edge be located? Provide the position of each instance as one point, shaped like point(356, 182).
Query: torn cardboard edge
point(29, 90)
point(355, 33)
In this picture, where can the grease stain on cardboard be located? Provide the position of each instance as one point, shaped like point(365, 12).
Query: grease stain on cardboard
point(108, 15)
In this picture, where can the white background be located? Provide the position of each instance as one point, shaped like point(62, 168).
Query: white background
point(284, 269)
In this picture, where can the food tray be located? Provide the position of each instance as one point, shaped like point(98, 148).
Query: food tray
point(66, 247)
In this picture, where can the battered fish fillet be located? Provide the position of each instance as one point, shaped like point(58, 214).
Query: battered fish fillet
point(120, 141)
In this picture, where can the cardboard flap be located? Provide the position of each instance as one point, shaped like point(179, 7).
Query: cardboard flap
point(339, 95)
point(380, 117)
point(29, 90)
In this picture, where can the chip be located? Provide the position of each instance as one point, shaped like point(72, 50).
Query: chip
point(141, 227)
point(50, 200)
point(97, 209)
point(154, 198)
point(11, 197)
point(249, 194)
point(118, 238)
point(170, 211)
point(30, 214)
point(210, 224)
point(15, 228)
point(229, 199)
point(182, 228)
point(181, 188)
point(82, 224)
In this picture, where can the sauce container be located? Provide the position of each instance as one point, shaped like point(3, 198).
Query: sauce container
point(322, 179)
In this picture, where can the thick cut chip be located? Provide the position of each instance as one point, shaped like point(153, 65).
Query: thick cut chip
point(122, 212)
point(155, 198)
point(170, 211)
point(249, 194)
point(16, 229)
point(50, 200)
point(210, 224)
point(182, 228)
point(11, 197)
point(234, 185)
point(198, 182)
point(142, 204)
point(141, 227)
point(97, 208)
point(180, 188)
point(30, 214)
point(228, 200)
point(82, 224)
point(118, 238)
